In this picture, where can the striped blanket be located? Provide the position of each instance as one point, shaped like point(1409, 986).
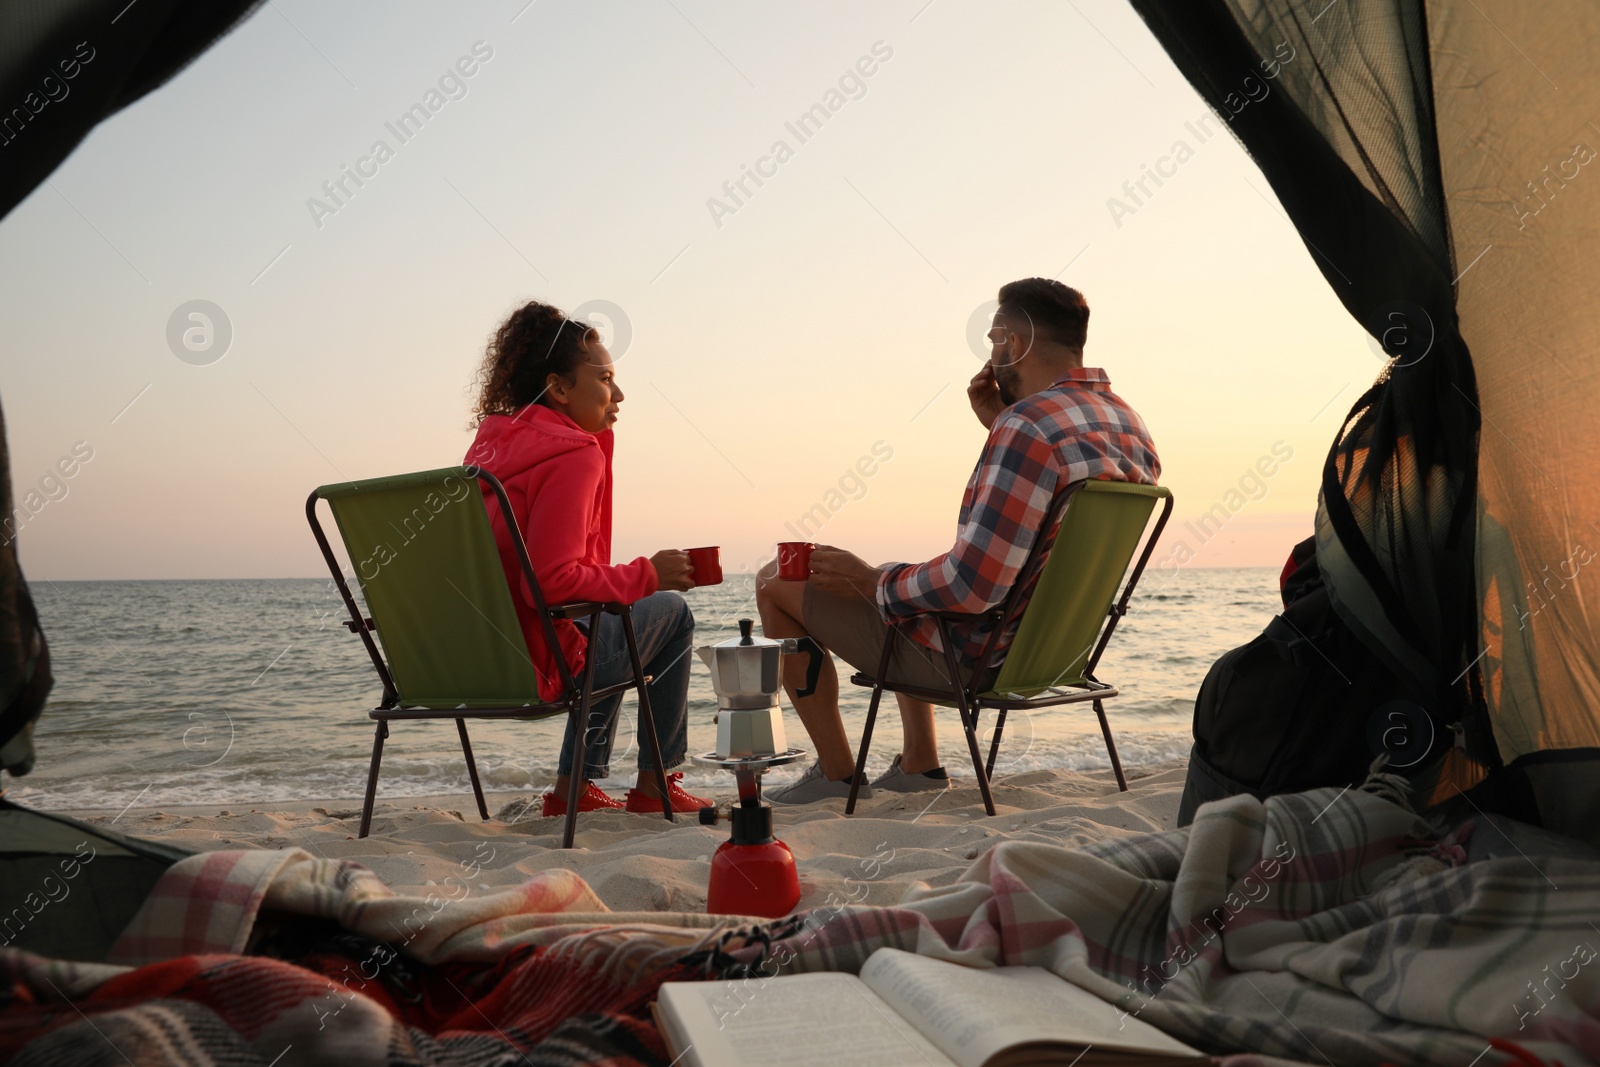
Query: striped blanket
point(1324, 927)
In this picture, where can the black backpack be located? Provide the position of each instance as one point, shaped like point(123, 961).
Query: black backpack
point(1303, 705)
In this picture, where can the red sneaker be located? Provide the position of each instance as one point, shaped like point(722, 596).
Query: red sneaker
point(593, 799)
point(681, 801)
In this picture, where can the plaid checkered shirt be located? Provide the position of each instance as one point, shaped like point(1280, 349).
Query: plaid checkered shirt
point(1076, 429)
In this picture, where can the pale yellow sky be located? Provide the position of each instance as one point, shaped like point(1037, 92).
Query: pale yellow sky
point(584, 159)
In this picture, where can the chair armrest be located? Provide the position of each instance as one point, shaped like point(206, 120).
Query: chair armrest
point(578, 609)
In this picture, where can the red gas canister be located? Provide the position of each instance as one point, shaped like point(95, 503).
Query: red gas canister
point(752, 873)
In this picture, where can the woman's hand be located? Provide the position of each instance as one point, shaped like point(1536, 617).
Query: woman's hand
point(834, 570)
point(673, 570)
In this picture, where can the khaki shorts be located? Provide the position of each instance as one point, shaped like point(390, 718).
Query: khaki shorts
point(852, 629)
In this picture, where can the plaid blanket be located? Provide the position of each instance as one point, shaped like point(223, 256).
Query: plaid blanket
point(1323, 927)
point(1328, 927)
point(285, 958)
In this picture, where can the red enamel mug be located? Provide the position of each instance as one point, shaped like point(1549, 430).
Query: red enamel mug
point(707, 564)
point(794, 560)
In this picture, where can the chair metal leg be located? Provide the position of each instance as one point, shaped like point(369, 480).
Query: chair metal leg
point(969, 721)
point(872, 717)
point(647, 720)
point(1111, 746)
point(372, 776)
point(977, 756)
point(866, 743)
point(994, 743)
point(472, 769)
point(580, 753)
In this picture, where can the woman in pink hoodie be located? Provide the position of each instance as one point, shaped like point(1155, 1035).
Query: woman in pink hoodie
point(548, 399)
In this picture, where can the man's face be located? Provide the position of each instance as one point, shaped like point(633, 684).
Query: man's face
point(1009, 383)
point(1009, 346)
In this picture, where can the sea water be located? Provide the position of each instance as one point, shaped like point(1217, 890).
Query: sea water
point(253, 692)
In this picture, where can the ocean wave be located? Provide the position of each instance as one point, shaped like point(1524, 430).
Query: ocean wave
point(244, 694)
point(404, 779)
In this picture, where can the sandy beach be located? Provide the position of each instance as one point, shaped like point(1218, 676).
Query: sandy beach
point(640, 863)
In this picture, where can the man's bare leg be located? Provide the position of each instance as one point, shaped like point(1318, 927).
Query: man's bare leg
point(781, 606)
point(919, 751)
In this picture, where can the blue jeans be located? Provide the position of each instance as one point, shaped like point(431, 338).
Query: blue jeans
point(663, 626)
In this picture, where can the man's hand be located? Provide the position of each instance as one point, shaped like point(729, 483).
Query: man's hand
point(983, 393)
point(673, 570)
point(833, 570)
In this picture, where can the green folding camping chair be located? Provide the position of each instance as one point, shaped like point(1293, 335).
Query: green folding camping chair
point(423, 551)
point(1060, 632)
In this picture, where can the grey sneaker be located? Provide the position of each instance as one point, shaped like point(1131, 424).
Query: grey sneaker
point(897, 781)
point(813, 786)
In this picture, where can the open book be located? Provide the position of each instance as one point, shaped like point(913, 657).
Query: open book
point(907, 1010)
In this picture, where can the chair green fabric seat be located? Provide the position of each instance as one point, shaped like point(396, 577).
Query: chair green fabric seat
point(423, 552)
point(1060, 633)
point(1099, 530)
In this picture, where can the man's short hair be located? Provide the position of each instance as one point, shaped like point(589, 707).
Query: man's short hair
point(1057, 311)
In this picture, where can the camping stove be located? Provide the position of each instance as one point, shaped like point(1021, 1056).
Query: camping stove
point(752, 873)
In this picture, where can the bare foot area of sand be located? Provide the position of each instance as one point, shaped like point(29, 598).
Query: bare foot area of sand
point(644, 863)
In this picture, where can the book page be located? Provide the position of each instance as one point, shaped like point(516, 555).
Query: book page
point(972, 1014)
point(796, 1020)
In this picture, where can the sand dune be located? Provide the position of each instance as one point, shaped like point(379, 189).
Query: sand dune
point(641, 863)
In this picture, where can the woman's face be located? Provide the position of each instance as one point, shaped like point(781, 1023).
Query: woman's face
point(591, 398)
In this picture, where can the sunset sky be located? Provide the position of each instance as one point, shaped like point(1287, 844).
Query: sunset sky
point(594, 156)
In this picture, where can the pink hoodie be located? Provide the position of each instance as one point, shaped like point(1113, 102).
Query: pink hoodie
point(558, 478)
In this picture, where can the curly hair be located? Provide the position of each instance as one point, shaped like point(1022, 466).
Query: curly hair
point(536, 341)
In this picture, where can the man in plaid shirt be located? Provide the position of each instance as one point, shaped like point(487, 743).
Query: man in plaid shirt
point(1051, 421)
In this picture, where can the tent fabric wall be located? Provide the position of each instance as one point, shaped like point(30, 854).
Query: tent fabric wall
point(1334, 103)
point(67, 889)
point(1434, 157)
point(1517, 100)
point(67, 64)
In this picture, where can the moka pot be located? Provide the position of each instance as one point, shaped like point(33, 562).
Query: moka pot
point(746, 673)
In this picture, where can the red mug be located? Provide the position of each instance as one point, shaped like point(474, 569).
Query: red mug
point(707, 564)
point(794, 560)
